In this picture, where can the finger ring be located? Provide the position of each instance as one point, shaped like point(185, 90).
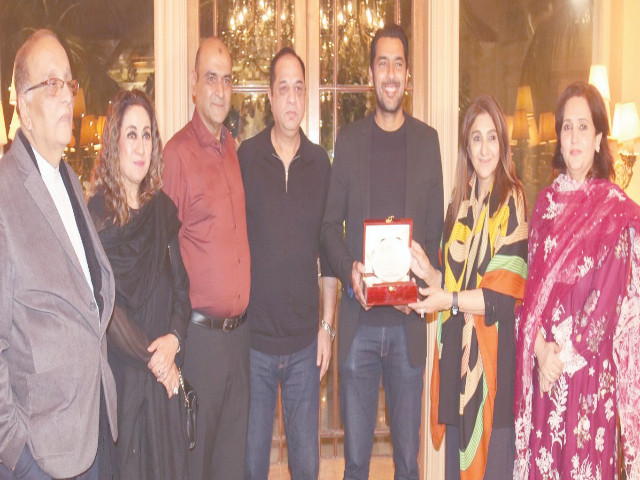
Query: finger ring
point(159, 373)
point(175, 390)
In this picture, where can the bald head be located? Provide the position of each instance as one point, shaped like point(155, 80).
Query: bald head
point(24, 56)
point(209, 46)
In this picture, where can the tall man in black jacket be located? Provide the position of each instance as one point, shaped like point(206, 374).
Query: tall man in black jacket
point(286, 178)
point(385, 164)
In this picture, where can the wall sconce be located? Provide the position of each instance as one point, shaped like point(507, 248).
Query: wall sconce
point(626, 126)
point(599, 79)
point(14, 126)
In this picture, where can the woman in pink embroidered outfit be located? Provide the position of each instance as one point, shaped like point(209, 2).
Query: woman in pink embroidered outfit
point(578, 332)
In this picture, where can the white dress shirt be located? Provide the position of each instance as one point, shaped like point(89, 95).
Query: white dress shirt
point(53, 181)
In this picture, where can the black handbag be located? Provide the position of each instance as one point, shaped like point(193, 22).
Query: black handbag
point(191, 408)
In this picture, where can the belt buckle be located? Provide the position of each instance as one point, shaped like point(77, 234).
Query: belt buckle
point(229, 324)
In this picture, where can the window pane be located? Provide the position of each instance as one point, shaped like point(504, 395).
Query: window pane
point(327, 57)
point(251, 30)
point(326, 122)
point(287, 19)
point(354, 106)
point(543, 45)
point(248, 115)
point(357, 23)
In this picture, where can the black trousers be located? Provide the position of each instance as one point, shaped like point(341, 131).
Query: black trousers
point(216, 364)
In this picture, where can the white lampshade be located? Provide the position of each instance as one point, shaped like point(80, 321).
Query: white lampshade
point(616, 121)
point(15, 125)
point(12, 92)
point(524, 100)
point(626, 124)
point(3, 131)
point(520, 125)
point(547, 129)
point(599, 79)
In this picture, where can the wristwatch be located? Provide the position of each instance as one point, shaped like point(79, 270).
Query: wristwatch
point(328, 328)
point(454, 305)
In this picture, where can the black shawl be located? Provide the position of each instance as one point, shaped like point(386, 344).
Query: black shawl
point(152, 299)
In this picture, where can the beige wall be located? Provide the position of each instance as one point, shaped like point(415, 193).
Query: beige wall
point(625, 66)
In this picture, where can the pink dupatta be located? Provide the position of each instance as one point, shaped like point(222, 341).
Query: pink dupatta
point(583, 291)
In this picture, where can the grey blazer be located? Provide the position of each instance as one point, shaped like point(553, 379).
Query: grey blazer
point(53, 349)
point(348, 202)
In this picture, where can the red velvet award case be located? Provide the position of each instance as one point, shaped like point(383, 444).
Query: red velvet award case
point(387, 262)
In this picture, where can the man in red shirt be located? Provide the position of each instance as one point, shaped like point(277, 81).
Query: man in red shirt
point(202, 176)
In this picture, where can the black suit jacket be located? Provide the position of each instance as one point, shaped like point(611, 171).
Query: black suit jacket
point(348, 202)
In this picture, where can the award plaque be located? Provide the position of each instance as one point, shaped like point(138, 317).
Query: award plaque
point(387, 262)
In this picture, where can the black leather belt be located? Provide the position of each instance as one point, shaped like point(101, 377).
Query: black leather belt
point(224, 324)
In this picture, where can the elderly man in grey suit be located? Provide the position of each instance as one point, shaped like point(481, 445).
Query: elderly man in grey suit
point(57, 393)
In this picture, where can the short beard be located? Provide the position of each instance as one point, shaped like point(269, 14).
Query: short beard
point(383, 108)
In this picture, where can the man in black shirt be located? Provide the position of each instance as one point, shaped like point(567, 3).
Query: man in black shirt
point(385, 164)
point(286, 178)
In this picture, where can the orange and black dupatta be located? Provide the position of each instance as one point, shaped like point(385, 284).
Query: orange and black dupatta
point(486, 249)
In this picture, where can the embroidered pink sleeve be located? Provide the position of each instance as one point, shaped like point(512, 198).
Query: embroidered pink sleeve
point(627, 358)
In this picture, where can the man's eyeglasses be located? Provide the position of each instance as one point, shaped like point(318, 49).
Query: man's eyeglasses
point(55, 85)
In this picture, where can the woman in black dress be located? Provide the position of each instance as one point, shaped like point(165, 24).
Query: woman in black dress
point(138, 227)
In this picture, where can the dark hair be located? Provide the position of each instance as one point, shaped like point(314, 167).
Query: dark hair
point(505, 180)
point(272, 66)
point(106, 176)
point(389, 31)
point(602, 160)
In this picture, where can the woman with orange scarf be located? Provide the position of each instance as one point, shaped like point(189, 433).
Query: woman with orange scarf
point(484, 253)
